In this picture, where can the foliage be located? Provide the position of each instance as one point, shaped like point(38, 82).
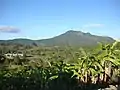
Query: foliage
point(54, 69)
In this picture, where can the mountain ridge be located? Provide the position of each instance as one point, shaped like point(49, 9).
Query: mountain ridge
point(71, 37)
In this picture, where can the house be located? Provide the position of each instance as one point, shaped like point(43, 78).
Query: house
point(12, 55)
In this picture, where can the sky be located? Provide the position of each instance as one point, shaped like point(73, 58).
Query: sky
point(40, 19)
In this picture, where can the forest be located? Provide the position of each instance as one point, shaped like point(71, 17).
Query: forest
point(59, 68)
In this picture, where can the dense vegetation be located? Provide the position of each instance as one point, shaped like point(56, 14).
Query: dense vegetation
point(60, 68)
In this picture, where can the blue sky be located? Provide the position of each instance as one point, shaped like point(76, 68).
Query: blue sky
point(37, 19)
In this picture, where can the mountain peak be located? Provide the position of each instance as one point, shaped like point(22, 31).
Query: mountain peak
point(78, 33)
point(74, 32)
point(87, 33)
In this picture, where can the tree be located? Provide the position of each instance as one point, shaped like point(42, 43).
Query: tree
point(2, 59)
point(108, 59)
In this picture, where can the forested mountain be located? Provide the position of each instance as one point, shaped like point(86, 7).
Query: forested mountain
point(71, 38)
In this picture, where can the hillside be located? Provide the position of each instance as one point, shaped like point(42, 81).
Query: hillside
point(76, 38)
point(71, 38)
point(18, 41)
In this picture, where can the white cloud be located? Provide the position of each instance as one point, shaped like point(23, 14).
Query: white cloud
point(93, 25)
point(9, 29)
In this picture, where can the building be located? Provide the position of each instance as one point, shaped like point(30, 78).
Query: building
point(12, 55)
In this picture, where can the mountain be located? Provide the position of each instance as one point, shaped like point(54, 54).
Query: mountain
point(18, 41)
point(71, 38)
point(76, 38)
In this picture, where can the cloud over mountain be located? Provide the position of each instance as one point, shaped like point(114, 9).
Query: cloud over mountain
point(93, 25)
point(9, 29)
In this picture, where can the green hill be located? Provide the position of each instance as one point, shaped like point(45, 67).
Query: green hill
point(75, 38)
point(18, 41)
point(71, 38)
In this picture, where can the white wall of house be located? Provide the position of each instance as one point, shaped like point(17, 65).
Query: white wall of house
point(11, 55)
